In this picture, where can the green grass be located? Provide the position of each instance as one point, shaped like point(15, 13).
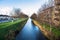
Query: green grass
point(7, 26)
point(55, 31)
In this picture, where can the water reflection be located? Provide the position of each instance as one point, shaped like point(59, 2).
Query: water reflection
point(30, 32)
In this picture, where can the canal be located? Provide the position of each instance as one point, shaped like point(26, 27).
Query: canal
point(30, 32)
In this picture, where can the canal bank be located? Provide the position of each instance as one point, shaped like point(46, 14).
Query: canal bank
point(45, 32)
point(9, 30)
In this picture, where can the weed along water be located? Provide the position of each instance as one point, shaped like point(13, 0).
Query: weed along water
point(30, 32)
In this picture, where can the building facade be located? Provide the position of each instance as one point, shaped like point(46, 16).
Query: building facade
point(46, 15)
point(56, 14)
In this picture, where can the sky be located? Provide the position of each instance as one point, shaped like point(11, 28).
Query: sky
point(27, 6)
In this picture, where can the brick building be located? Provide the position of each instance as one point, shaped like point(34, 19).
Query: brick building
point(56, 14)
point(45, 15)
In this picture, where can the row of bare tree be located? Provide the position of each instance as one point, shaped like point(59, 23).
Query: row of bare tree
point(16, 12)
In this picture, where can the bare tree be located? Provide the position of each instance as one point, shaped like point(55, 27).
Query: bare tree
point(42, 8)
point(16, 12)
point(51, 3)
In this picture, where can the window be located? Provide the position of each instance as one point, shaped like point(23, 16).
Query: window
point(56, 19)
point(57, 9)
point(57, 14)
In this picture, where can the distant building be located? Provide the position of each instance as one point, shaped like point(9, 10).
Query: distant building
point(5, 18)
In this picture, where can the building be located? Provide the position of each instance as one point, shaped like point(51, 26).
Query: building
point(5, 18)
point(46, 15)
point(56, 14)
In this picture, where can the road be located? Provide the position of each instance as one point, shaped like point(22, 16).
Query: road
point(30, 32)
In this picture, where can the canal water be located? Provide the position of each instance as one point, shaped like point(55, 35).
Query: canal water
point(30, 32)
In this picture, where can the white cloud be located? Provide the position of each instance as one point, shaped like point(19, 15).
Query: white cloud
point(5, 10)
point(29, 11)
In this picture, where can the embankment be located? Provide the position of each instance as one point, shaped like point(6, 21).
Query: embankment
point(8, 31)
point(47, 33)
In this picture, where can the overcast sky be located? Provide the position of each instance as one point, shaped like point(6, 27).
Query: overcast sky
point(26, 6)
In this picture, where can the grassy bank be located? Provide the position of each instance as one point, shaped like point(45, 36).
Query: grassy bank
point(54, 32)
point(42, 29)
point(9, 28)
